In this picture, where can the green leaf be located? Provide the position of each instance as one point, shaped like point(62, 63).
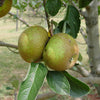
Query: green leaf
point(98, 10)
point(58, 82)
point(14, 81)
point(34, 80)
point(71, 23)
point(53, 6)
point(14, 2)
point(84, 3)
point(77, 88)
point(54, 23)
point(80, 57)
point(9, 88)
point(72, 19)
point(63, 26)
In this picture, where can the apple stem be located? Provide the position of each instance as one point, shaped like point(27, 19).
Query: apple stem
point(51, 29)
point(64, 28)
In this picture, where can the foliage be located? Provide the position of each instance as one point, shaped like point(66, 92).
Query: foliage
point(99, 10)
point(33, 81)
point(71, 23)
point(60, 82)
point(84, 3)
point(23, 4)
point(77, 88)
point(53, 6)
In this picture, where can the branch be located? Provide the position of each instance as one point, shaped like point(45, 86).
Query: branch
point(50, 27)
point(90, 79)
point(8, 45)
point(12, 50)
point(46, 14)
point(83, 34)
point(20, 19)
point(45, 96)
point(82, 71)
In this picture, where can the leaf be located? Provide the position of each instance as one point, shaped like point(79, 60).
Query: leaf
point(84, 3)
point(80, 57)
point(63, 27)
point(14, 81)
point(53, 6)
point(34, 80)
point(77, 88)
point(73, 20)
point(9, 88)
point(54, 23)
point(21, 5)
point(14, 2)
point(58, 82)
point(98, 10)
point(71, 23)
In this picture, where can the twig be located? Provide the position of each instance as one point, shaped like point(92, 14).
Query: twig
point(24, 22)
point(90, 79)
point(12, 50)
point(64, 4)
point(51, 29)
point(8, 45)
point(83, 34)
point(15, 96)
point(82, 71)
point(45, 96)
point(46, 14)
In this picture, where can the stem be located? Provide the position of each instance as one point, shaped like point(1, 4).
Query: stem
point(83, 34)
point(8, 45)
point(15, 96)
point(46, 96)
point(20, 19)
point(46, 14)
point(51, 30)
point(91, 79)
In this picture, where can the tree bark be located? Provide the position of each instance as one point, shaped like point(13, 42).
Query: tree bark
point(93, 37)
point(3, 44)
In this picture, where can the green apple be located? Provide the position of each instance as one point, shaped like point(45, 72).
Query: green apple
point(61, 52)
point(31, 43)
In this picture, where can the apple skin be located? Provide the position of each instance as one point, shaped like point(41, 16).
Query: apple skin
point(31, 43)
point(61, 52)
point(5, 7)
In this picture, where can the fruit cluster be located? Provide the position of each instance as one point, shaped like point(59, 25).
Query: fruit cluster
point(59, 53)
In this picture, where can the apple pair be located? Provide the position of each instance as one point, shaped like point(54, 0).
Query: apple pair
point(59, 53)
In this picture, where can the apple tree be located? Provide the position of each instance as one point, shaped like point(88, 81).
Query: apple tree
point(61, 82)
